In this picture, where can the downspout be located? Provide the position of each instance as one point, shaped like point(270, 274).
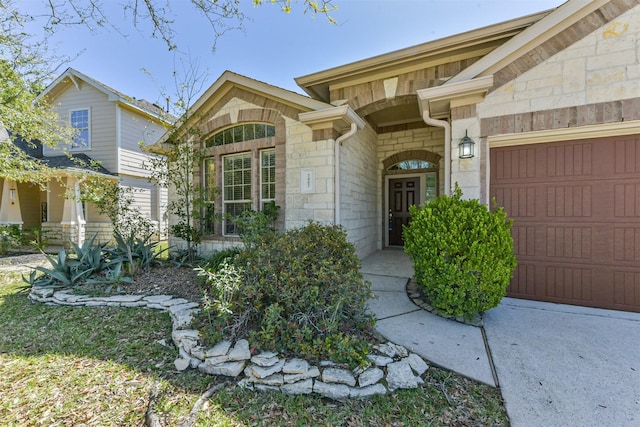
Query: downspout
point(336, 174)
point(447, 146)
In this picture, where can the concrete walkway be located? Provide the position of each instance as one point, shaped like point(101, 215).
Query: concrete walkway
point(556, 365)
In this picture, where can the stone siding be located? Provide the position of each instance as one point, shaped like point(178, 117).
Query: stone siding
point(358, 196)
point(602, 67)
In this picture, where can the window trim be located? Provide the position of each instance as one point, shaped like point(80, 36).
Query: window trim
point(72, 145)
point(209, 200)
point(223, 196)
point(264, 200)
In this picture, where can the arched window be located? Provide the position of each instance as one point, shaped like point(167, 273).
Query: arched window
point(406, 165)
point(245, 132)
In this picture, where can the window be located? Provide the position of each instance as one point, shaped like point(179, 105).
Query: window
point(80, 120)
point(209, 178)
point(412, 164)
point(241, 133)
point(236, 189)
point(267, 176)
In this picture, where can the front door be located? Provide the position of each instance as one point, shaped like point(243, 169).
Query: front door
point(403, 192)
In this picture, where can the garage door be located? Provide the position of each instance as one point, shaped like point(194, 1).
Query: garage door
point(576, 212)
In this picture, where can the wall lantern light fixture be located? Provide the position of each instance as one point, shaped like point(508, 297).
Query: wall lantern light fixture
point(466, 147)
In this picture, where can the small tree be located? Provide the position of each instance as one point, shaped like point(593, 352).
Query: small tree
point(462, 254)
point(181, 158)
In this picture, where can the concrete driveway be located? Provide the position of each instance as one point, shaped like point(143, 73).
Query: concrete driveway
point(560, 365)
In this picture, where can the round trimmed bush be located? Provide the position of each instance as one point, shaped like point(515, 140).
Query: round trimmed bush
point(462, 254)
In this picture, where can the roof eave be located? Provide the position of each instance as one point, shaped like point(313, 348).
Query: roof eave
point(312, 83)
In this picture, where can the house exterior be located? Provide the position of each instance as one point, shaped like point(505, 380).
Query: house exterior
point(550, 103)
point(109, 129)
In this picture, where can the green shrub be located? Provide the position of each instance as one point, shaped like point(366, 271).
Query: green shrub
point(297, 292)
point(10, 238)
point(218, 258)
point(462, 254)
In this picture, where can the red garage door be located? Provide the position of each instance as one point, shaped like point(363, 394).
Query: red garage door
point(576, 212)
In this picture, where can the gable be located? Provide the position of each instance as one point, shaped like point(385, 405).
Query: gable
point(239, 105)
point(600, 67)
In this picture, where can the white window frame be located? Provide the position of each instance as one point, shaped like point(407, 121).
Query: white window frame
point(72, 145)
point(209, 199)
point(226, 202)
point(263, 199)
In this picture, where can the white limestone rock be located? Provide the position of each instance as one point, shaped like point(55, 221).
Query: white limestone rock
point(380, 361)
point(418, 365)
point(300, 387)
point(366, 392)
point(181, 364)
point(174, 301)
point(313, 372)
point(157, 299)
point(240, 351)
point(338, 376)
point(228, 369)
point(387, 349)
point(265, 371)
point(180, 334)
point(220, 349)
point(123, 298)
point(275, 380)
point(268, 358)
point(400, 375)
point(370, 377)
point(295, 366)
point(332, 391)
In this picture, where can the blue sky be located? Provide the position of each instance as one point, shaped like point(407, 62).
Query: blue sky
point(275, 47)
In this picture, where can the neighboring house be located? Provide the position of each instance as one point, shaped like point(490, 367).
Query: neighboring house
point(110, 127)
point(550, 103)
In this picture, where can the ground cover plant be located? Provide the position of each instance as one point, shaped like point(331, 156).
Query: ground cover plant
point(462, 254)
point(97, 367)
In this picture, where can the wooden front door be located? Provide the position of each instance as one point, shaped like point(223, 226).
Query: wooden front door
point(403, 192)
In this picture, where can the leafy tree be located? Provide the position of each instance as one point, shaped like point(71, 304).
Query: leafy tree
point(27, 64)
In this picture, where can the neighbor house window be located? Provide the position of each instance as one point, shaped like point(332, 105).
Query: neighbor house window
point(209, 178)
point(267, 176)
point(240, 133)
point(80, 120)
point(236, 189)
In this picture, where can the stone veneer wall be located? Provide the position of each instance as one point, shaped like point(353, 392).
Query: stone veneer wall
point(303, 153)
point(359, 208)
point(424, 138)
point(603, 66)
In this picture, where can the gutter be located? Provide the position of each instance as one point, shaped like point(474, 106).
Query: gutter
point(345, 120)
point(443, 98)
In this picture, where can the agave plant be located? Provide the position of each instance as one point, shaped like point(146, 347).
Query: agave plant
point(136, 252)
point(62, 272)
point(113, 277)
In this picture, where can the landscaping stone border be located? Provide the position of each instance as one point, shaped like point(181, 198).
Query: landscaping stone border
point(392, 366)
point(417, 296)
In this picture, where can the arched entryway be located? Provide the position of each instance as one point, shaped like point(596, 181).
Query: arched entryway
point(410, 178)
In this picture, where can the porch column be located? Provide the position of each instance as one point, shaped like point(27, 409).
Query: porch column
point(73, 221)
point(10, 204)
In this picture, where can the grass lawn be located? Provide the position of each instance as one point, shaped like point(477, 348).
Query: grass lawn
point(62, 366)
